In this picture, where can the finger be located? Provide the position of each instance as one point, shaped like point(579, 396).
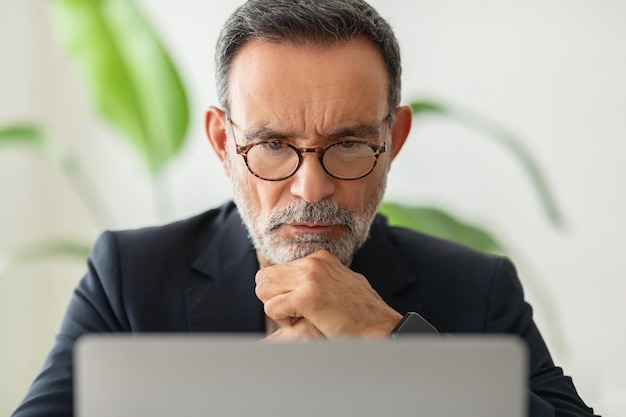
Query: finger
point(282, 309)
point(302, 330)
point(326, 255)
point(275, 280)
point(286, 275)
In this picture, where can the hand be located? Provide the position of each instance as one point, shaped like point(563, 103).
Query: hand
point(300, 330)
point(332, 298)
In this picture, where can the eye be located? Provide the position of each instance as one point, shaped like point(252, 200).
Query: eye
point(274, 146)
point(272, 149)
point(348, 145)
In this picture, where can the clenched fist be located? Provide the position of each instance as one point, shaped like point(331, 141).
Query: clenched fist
point(318, 295)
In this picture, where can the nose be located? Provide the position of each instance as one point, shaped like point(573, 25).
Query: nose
point(310, 182)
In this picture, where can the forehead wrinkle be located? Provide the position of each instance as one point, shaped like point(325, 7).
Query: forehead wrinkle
point(360, 130)
point(363, 130)
point(265, 133)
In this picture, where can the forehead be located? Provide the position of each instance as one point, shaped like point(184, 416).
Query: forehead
point(308, 88)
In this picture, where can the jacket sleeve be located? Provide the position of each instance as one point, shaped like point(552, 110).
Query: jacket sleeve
point(551, 392)
point(95, 306)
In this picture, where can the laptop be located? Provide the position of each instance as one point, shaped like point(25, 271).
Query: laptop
point(222, 376)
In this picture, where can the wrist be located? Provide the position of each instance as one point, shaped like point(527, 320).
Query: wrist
point(384, 325)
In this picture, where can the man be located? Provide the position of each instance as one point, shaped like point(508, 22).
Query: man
point(308, 126)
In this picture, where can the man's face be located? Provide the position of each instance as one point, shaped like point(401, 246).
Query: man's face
point(307, 96)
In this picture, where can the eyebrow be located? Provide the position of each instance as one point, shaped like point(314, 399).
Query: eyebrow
point(265, 133)
point(361, 131)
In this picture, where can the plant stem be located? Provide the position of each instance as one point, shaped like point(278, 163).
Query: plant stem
point(87, 192)
point(162, 196)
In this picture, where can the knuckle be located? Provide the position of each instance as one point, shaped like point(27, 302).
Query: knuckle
point(262, 287)
point(270, 308)
point(259, 277)
point(313, 261)
point(309, 294)
point(260, 292)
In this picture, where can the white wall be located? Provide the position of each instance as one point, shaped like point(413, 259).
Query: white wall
point(550, 71)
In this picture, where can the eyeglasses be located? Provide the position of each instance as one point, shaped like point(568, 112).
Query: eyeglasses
point(275, 160)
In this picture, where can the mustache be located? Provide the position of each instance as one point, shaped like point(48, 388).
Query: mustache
point(323, 211)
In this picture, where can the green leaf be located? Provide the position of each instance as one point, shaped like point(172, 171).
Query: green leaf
point(133, 81)
point(419, 107)
point(509, 141)
point(34, 137)
point(441, 224)
point(51, 149)
point(21, 134)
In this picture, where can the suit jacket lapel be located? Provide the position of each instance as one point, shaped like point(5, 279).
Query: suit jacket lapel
point(384, 268)
point(224, 299)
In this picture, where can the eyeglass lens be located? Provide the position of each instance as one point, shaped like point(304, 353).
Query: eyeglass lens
point(343, 160)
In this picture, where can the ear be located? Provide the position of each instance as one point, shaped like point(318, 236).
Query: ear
point(401, 128)
point(215, 128)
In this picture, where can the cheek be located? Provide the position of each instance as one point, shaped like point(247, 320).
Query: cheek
point(354, 194)
point(271, 194)
point(262, 197)
point(362, 196)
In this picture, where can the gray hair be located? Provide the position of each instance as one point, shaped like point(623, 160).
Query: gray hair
point(321, 22)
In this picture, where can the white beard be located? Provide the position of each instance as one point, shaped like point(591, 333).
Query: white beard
point(278, 250)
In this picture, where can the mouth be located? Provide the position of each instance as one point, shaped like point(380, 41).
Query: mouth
point(320, 217)
point(308, 228)
point(312, 225)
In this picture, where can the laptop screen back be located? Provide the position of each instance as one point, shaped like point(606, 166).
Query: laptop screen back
point(176, 375)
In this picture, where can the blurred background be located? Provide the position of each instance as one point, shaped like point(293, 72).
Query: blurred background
point(551, 72)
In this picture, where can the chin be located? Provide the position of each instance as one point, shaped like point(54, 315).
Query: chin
point(304, 245)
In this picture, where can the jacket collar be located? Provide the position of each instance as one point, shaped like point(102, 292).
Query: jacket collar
point(227, 245)
point(385, 269)
point(225, 301)
point(229, 261)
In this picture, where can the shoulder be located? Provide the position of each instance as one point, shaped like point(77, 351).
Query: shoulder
point(181, 234)
point(455, 287)
point(166, 250)
point(420, 250)
point(141, 276)
point(191, 226)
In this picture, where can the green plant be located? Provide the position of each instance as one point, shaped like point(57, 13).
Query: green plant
point(445, 225)
point(134, 85)
point(133, 81)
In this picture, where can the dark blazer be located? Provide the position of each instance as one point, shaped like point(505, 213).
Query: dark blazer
point(197, 275)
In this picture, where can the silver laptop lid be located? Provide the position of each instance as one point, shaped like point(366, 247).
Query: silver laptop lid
point(176, 375)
